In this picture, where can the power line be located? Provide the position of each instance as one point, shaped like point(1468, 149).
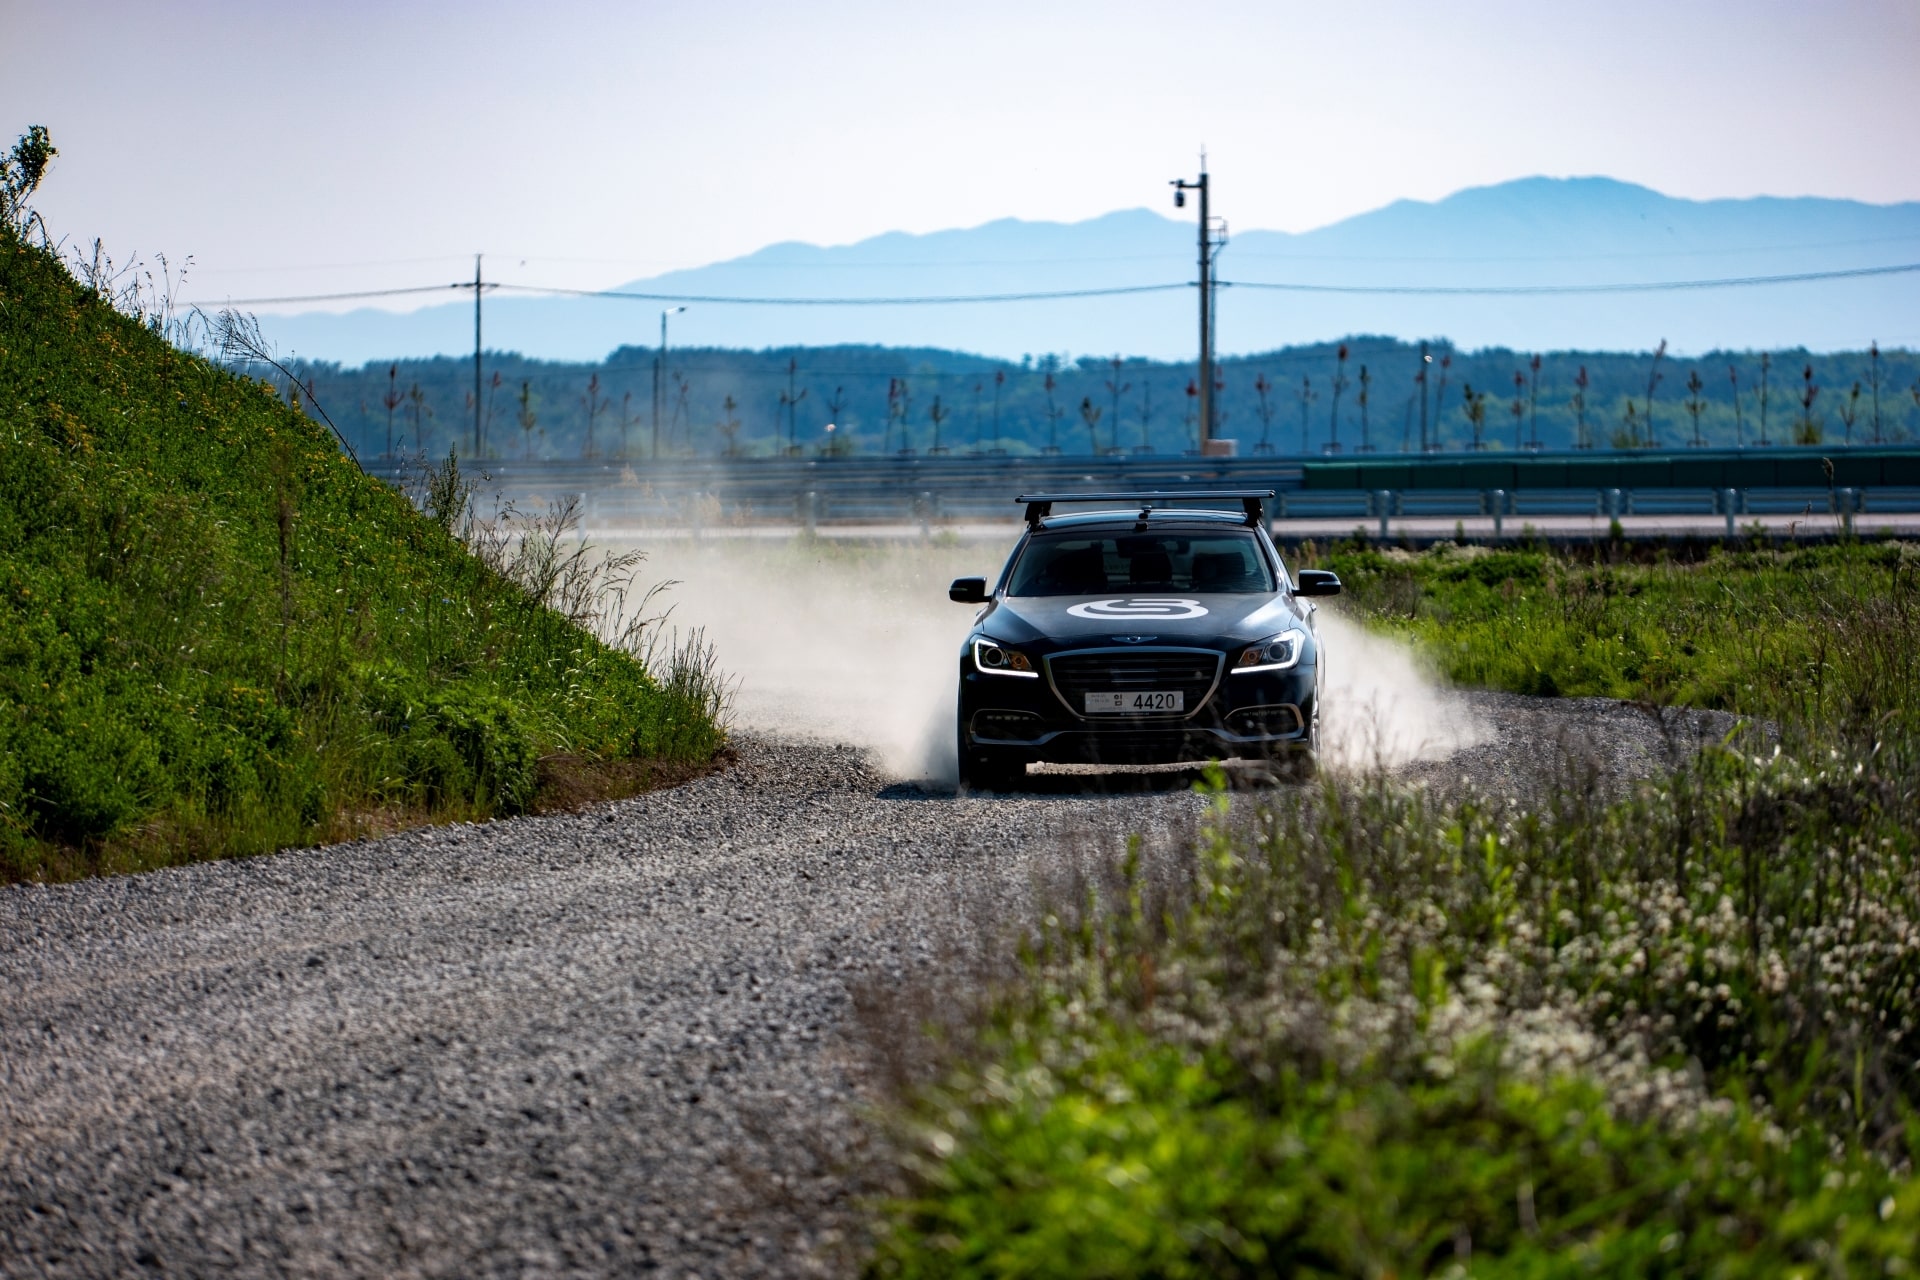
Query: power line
point(1285, 255)
point(1645, 286)
point(623, 295)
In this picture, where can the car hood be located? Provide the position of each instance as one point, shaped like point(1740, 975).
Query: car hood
point(1159, 618)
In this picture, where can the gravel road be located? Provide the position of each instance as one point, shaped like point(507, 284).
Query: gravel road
point(599, 1043)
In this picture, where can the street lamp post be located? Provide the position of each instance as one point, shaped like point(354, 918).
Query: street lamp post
point(659, 368)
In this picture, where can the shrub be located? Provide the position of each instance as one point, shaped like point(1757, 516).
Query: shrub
point(83, 770)
point(492, 742)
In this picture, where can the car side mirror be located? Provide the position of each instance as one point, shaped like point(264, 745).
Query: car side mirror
point(970, 591)
point(1317, 582)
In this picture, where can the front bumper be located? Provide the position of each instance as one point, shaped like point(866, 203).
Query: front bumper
point(1253, 715)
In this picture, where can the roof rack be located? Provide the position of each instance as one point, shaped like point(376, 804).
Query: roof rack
point(1040, 505)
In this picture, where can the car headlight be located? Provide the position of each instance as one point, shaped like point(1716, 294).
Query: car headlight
point(1275, 653)
point(992, 658)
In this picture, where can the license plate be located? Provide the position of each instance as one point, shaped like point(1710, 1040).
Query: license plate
point(1134, 704)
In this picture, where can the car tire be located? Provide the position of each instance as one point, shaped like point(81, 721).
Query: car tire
point(984, 770)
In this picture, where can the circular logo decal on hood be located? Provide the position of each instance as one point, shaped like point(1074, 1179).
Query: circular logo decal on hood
point(1139, 607)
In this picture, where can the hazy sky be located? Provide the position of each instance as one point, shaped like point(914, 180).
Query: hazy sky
point(316, 145)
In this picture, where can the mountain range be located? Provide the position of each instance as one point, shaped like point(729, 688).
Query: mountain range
point(1527, 233)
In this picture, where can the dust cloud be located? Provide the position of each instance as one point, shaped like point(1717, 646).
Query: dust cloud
point(1381, 706)
point(848, 643)
point(858, 643)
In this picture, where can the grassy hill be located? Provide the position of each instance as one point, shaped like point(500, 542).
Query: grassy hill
point(217, 636)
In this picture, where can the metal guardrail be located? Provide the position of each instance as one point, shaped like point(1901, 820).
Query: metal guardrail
point(929, 490)
point(957, 474)
point(1386, 505)
point(1784, 467)
point(846, 489)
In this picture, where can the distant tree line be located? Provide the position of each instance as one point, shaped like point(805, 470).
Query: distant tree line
point(1361, 394)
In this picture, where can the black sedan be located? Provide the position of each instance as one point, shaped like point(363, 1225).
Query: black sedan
point(1153, 633)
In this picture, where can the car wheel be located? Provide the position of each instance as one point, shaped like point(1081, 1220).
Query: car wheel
point(984, 770)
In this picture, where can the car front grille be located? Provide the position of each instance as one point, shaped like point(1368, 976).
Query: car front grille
point(1194, 672)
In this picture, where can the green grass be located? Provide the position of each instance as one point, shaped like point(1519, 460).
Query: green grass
point(1365, 1030)
point(218, 637)
point(1136, 1159)
point(1797, 635)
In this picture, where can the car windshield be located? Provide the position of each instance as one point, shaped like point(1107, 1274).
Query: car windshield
point(1080, 564)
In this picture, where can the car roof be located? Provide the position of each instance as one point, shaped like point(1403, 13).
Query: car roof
point(1132, 518)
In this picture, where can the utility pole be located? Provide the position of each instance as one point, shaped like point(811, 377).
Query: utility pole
point(479, 287)
point(1211, 242)
point(476, 355)
point(659, 366)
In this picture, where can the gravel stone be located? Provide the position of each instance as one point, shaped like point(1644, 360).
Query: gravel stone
point(1598, 743)
point(610, 1042)
point(580, 1044)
